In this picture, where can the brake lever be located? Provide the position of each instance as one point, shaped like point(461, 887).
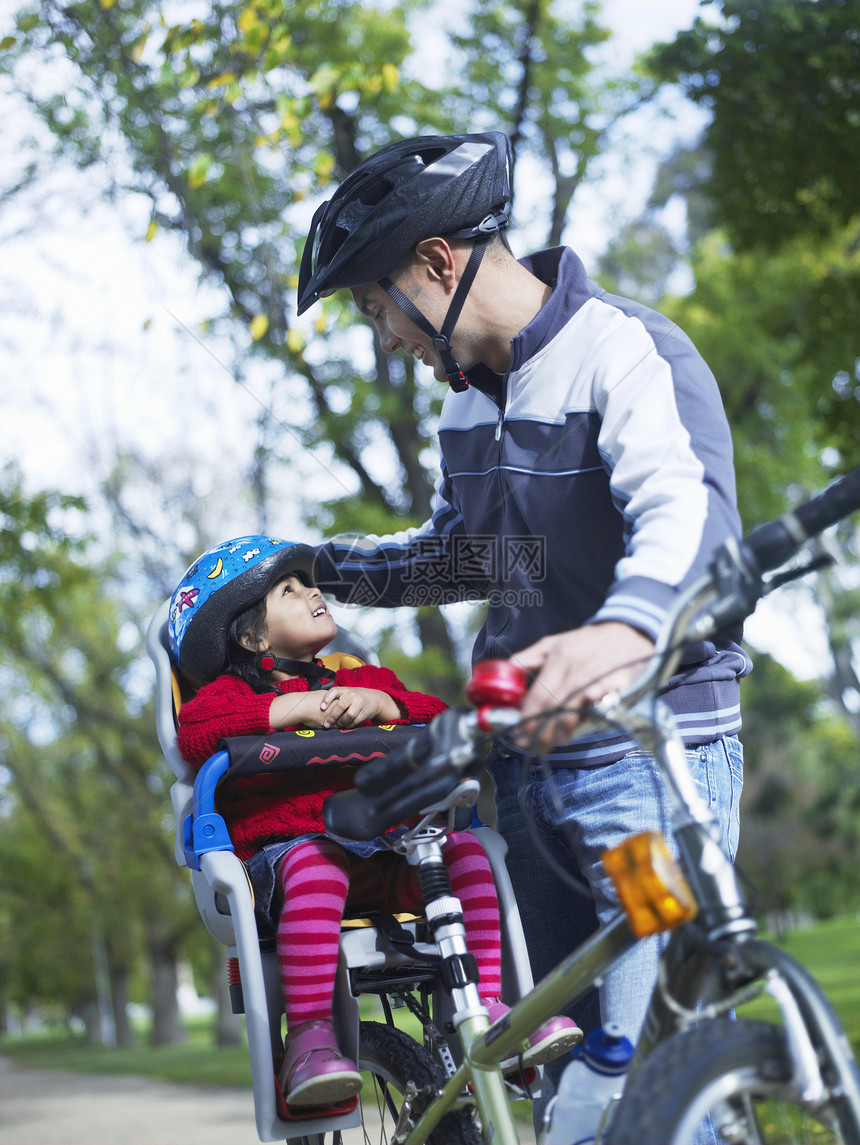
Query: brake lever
point(464, 795)
point(815, 564)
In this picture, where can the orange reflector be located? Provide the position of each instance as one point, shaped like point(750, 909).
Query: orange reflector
point(649, 882)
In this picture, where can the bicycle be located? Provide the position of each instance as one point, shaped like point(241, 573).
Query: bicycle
point(697, 1071)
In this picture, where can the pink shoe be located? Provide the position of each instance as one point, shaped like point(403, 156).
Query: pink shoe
point(554, 1038)
point(314, 1071)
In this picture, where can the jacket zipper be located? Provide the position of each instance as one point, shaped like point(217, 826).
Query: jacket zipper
point(501, 419)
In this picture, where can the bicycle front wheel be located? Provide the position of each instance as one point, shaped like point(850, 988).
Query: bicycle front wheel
point(389, 1059)
point(729, 1082)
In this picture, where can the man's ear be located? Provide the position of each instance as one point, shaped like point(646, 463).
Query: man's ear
point(436, 257)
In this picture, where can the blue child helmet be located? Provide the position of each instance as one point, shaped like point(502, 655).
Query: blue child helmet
point(218, 587)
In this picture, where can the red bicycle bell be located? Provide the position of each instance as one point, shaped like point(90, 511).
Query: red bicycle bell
point(497, 684)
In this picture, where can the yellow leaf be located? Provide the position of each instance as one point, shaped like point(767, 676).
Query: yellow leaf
point(220, 81)
point(7, 42)
point(151, 230)
point(138, 48)
point(320, 324)
point(259, 326)
point(248, 20)
point(390, 77)
point(295, 341)
point(198, 171)
point(107, 3)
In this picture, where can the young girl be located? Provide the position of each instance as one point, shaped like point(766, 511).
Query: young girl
point(246, 623)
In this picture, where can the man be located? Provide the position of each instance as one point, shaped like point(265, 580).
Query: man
point(586, 477)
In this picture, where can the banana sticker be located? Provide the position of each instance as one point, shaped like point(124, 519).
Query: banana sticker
point(216, 572)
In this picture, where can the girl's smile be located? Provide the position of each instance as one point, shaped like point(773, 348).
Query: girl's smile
point(298, 622)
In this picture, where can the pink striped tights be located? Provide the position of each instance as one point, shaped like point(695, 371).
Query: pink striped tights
point(318, 879)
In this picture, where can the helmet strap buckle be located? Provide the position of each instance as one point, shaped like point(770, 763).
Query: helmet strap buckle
point(316, 674)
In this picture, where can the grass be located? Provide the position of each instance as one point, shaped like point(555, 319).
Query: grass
point(830, 950)
point(197, 1062)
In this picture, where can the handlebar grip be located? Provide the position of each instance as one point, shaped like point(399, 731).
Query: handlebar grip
point(379, 774)
point(353, 815)
point(770, 545)
point(417, 775)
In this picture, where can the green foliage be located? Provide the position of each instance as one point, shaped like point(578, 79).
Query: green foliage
point(785, 361)
point(528, 65)
point(781, 81)
point(431, 671)
point(83, 842)
point(799, 812)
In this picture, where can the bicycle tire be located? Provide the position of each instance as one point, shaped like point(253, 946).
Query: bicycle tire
point(738, 1074)
point(389, 1059)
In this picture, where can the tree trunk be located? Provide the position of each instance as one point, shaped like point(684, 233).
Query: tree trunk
point(167, 1028)
point(125, 1035)
point(90, 1014)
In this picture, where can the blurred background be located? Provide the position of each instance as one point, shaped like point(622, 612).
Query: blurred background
point(159, 165)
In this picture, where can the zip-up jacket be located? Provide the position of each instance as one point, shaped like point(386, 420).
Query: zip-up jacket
point(589, 483)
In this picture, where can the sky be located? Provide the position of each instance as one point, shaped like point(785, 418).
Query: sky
point(103, 339)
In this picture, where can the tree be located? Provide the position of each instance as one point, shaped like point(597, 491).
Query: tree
point(801, 795)
point(783, 358)
point(773, 210)
point(81, 787)
point(233, 122)
point(527, 64)
point(781, 81)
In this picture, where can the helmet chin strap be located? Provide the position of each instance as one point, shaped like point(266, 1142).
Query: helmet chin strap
point(441, 340)
point(316, 674)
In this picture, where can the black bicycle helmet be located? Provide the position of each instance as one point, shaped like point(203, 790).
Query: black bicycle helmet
point(221, 585)
point(454, 186)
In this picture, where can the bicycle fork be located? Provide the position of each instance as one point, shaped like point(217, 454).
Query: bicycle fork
point(706, 973)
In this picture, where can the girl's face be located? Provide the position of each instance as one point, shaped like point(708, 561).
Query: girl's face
point(298, 623)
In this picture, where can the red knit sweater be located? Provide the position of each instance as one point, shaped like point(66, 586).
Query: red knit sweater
point(262, 808)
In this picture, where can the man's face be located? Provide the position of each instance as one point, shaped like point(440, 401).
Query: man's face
point(398, 332)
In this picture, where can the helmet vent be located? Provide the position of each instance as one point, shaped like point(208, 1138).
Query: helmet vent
point(429, 155)
point(376, 192)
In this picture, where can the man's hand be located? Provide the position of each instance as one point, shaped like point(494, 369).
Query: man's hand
point(573, 668)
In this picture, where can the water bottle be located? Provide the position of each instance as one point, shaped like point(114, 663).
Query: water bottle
point(594, 1077)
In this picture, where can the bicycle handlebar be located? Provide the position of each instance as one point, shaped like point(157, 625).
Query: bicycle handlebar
point(770, 545)
point(397, 786)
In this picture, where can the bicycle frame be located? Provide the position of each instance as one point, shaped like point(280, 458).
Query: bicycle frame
point(485, 1046)
point(707, 968)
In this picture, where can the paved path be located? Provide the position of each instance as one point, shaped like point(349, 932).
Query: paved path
point(47, 1107)
point(51, 1107)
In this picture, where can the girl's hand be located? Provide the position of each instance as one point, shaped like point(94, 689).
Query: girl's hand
point(349, 707)
point(336, 708)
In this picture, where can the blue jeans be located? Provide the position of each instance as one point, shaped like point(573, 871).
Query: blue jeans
point(596, 808)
